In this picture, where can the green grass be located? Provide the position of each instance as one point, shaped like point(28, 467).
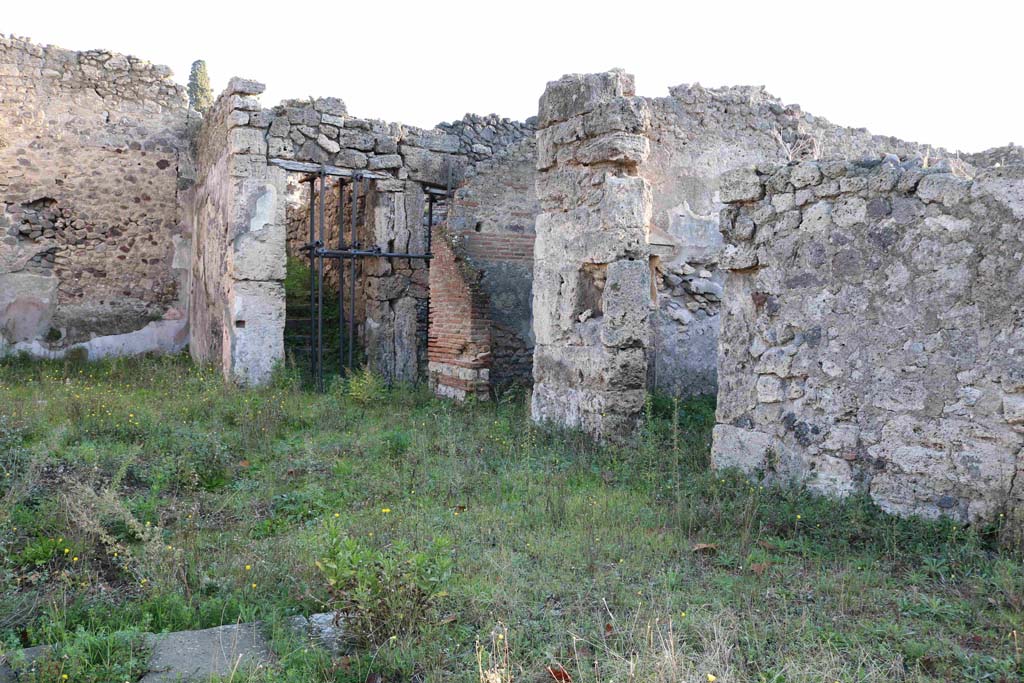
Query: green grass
point(183, 503)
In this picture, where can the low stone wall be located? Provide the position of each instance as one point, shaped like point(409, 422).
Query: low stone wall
point(591, 278)
point(872, 335)
point(94, 166)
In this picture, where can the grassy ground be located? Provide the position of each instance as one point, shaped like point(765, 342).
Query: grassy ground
point(146, 496)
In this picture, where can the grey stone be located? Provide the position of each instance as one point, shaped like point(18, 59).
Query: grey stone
point(196, 656)
point(740, 185)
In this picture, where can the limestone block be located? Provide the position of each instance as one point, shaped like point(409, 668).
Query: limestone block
point(625, 203)
point(434, 140)
point(580, 93)
point(746, 449)
point(330, 105)
point(385, 161)
point(594, 367)
point(431, 167)
point(551, 138)
point(626, 302)
point(620, 147)
point(350, 158)
point(357, 139)
point(246, 141)
point(740, 185)
point(327, 144)
point(555, 288)
point(625, 114)
point(244, 86)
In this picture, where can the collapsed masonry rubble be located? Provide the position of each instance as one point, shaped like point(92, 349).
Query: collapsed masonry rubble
point(859, 320)
point(872, 337)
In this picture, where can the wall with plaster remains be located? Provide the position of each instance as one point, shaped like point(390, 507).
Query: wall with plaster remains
point(873, 332)
point(94, 165)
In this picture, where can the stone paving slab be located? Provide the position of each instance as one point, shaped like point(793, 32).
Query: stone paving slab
point(187, 656)
point(197, 656)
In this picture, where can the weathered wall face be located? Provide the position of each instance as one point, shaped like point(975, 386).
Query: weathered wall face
point(238, 260)
point(492, 217)
point(873, 333)
point(697, 134)
point(592, 286)
point(93, 158)
point(392, 292)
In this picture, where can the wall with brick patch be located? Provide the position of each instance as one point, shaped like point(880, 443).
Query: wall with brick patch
point(94, 164)
point(492, 216)
point(459, 338)
point(872, 335)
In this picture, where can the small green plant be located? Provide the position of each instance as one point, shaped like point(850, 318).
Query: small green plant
point(384, 592)
point(90, 658)
point(366, 388)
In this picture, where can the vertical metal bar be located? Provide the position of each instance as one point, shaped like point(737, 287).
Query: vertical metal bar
point(430, 222)
point(320, 289)
point(356, 184)
point(312, 277)
point(341, 276)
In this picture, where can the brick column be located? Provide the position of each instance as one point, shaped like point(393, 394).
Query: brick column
point(592, 285)
point(459, 337)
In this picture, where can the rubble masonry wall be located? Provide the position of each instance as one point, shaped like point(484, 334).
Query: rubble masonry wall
point(872, 335)
point(94, 167)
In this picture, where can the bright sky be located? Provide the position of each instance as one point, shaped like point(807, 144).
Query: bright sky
point(944, 73)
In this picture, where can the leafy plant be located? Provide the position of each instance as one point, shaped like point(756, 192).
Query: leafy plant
point(384, 593)
point(366, 388)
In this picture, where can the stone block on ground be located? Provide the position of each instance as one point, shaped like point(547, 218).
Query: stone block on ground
point(196, 656)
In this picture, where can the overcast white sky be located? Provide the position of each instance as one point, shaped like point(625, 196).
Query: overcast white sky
point(944, 73)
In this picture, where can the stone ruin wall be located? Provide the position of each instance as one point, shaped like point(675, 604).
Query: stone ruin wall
point(392, 294)
point(236, 306)
point(592, 284)
point(469, 143)
point(94, 169)
point(873, 333)
point(697, 134)
point(492, 219)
